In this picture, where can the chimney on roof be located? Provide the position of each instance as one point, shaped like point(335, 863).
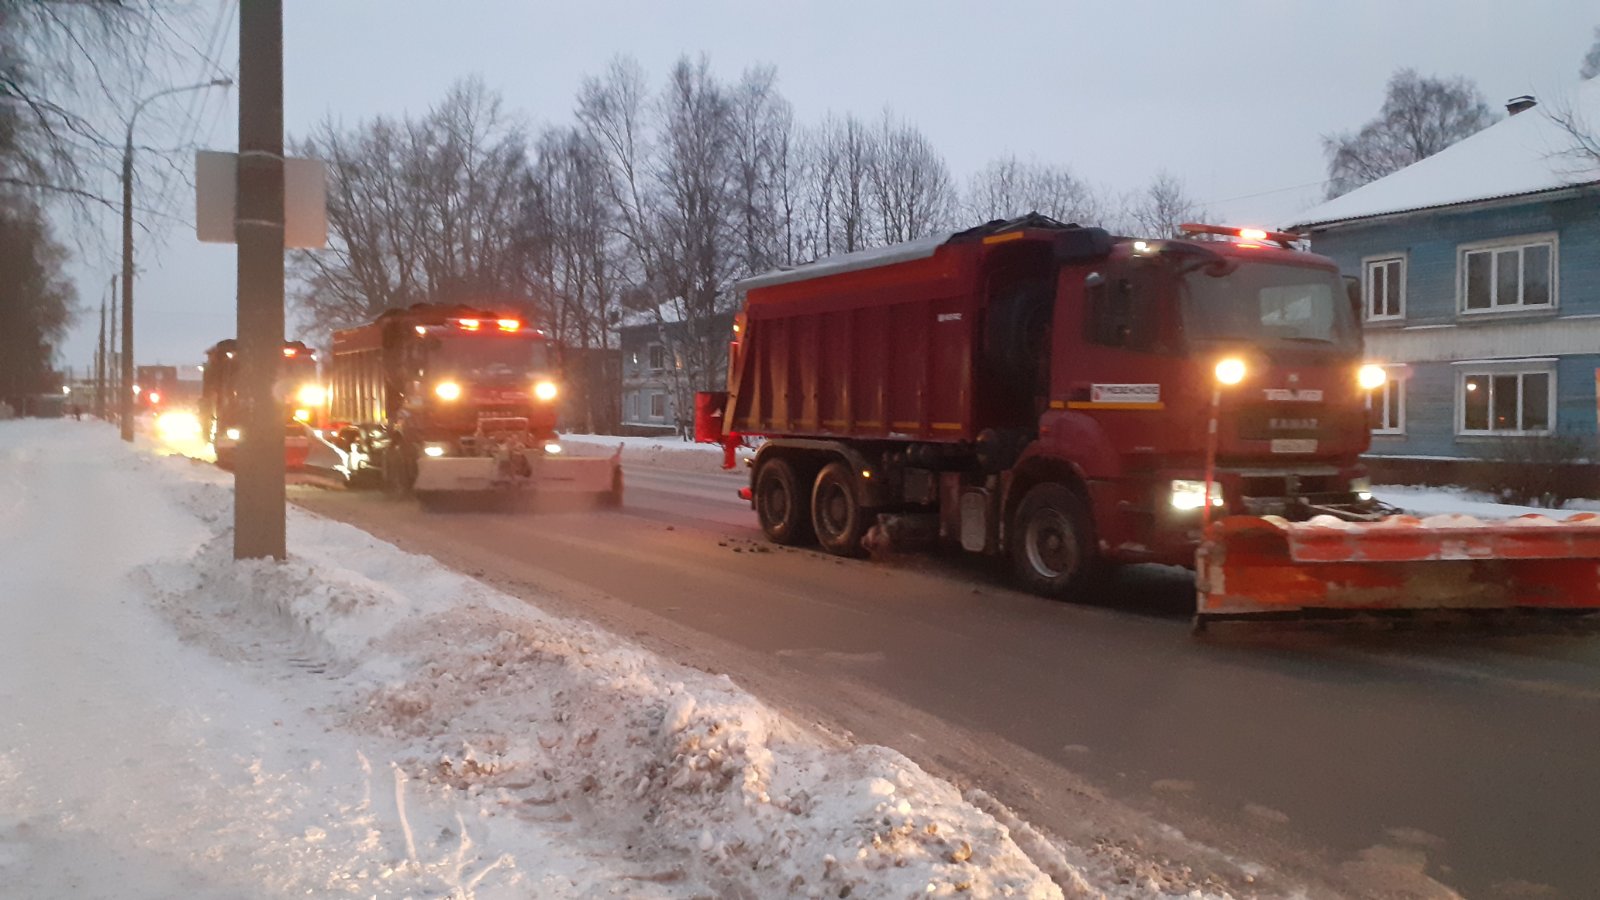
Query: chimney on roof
point(1518, 104)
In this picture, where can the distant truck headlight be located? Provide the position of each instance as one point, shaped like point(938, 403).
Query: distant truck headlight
point(1188, 495)
point(546, 390)
point(447, 390)
point(302, 415)
point(231, 434)
point(311, 395)
point(434, 449)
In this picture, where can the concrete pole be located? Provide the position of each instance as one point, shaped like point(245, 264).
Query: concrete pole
point(259, 497)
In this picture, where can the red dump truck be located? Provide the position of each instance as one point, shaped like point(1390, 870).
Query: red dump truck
point(1045, 392)
point(298, 388)
point(1071, 399)
point(453, 401)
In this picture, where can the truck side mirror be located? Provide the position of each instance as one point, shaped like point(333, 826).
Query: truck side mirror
point(1352, 292)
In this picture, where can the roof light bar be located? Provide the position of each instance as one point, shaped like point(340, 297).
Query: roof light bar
point(1282, 238)
point(509, 325)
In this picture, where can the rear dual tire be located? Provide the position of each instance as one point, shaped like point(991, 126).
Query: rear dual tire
point(828, 510)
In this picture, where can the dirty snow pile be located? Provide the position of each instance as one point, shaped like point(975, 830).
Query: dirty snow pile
point(360, 721)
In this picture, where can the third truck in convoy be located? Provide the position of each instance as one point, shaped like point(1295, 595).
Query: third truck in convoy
point(1070, 399)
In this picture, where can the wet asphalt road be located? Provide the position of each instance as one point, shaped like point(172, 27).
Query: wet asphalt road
point(1362, 763)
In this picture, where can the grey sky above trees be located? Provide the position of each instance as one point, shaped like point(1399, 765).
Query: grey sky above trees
point(1112, 98)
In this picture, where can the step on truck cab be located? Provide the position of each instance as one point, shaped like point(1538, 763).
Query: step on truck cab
point(455, 401)
point(1045, 392)
point(298, 388)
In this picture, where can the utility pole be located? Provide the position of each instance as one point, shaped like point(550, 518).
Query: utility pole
point(259, 497)
point(100, 366)
point(114, 361)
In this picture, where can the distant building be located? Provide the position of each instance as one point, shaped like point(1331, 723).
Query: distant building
point(1480, 278)
point(664, 362)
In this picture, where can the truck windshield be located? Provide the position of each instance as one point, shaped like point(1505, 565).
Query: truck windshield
point(488, 355)
point(1266, 304)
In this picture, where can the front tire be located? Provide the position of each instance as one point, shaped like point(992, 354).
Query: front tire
point(836, 513)
point(781, 505)
point(1052, 542)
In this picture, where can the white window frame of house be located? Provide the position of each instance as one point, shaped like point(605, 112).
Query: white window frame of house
point(662, 396)
point(1494, 249)
point(652, 352)
point(1393, 387)
point(1373, 265)
point(1492, 369)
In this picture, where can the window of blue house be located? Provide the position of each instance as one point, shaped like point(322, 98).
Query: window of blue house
point(1387, 405)
point(1505, 275)
point(1506, 399)
point(1384, 287)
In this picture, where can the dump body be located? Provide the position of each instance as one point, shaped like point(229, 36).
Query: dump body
point(1045, 391)
point(298, 388)
point(447, 399)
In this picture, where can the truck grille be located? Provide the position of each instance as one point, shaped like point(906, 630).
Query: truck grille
point(1271, 421)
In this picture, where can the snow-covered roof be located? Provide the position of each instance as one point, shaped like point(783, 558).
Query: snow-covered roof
point(1526, 153)
point(921, 248)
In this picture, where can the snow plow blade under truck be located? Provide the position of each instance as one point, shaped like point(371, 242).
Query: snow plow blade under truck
point(452, 403)
point(1263, 566)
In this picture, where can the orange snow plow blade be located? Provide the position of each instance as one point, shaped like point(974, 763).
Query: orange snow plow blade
point(1253, 566)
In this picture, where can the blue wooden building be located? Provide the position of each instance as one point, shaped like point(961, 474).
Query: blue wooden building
point(1480, 280)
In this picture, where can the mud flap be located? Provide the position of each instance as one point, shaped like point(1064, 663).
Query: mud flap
point(1250, 566)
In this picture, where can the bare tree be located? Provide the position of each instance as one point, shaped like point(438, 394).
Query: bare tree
point(910, 182)
point(840, 155)
point(1008, 187)
point(1420, 116)
point(36, 300)
point(1161, 208)
point(762, 127)
point(418, 210)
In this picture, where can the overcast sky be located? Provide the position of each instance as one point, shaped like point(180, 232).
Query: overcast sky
point(1233, 98)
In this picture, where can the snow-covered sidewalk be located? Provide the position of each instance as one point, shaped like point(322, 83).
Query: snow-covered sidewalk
point(360, 721)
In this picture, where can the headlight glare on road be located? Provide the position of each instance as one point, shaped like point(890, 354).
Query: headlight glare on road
point(176, 425)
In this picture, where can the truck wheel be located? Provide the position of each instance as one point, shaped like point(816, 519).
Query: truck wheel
point(399, 469)
point(781, 506)
point(1052, 546)
point(836, 513)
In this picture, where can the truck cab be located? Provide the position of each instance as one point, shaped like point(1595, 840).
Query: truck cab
point(298, 388)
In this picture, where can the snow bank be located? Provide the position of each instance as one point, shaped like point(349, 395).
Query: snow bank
point(664, 452)
point(363, 721)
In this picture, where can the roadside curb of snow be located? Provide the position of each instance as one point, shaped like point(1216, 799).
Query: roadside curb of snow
point(666, 452)
point(548, 718)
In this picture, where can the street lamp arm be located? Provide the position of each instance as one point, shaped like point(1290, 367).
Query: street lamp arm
point(139, 107)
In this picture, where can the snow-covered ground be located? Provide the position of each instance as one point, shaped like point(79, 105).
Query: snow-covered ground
point(1431, 501)
point(361, 721)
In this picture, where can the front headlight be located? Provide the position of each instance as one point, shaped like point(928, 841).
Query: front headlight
point(302, 415)
point(311, 395)
point(231, 434)
point(1371, 377)
point(447, 390)
point(1362, 488)
point(434, 449)
point(545, 390)
point(1187, 495)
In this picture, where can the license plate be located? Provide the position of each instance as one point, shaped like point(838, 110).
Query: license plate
point(1293, 445)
